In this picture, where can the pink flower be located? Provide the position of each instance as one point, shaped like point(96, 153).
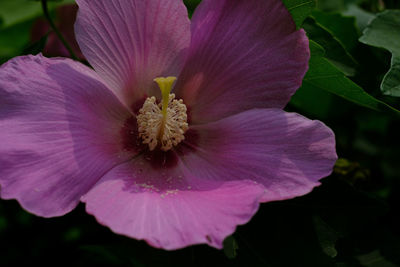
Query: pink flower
point(173, 172)
point(66, 16)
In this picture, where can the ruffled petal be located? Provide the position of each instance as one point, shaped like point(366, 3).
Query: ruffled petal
point(59, 132)
point(170, 207)
point(285, 152)
point(244, 54)
point(129, 43)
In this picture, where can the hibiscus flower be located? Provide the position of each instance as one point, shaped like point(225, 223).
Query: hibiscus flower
point(171, 163)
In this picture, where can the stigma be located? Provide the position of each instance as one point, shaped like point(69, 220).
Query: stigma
point(162, 124)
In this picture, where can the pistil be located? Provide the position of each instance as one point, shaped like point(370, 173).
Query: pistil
point(162, 124)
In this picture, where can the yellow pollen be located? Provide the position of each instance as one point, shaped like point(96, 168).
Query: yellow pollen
point(165, 123)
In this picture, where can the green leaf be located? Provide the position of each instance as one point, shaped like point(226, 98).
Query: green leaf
point(331, 5)
point(13, 40)
point(36, 47)
point(191, 5)
point(316, 50)
point(342, 28)
point(304, 102)
point(13, 12)
point(230, 247)
point(384, 32)
point(17, 11)
point(3, 224)
point(391, 82)
point(374, 259)
point(327, 236)
point(300, 9)
point(362, 17)
point(323, 75)
point(335, 51)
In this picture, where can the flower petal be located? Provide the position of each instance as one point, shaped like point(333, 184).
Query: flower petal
point(59, 131)
point(284, 152)
point(244, 54)
point(129, 43)
point(157, 205)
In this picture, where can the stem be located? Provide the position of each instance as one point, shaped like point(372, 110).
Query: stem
point(57, 32)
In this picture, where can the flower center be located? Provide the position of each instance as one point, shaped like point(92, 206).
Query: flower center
point(165, 123)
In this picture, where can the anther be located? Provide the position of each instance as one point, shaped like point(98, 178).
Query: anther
point(162, 124)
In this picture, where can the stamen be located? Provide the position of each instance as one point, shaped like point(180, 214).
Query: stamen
point(165, 123)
